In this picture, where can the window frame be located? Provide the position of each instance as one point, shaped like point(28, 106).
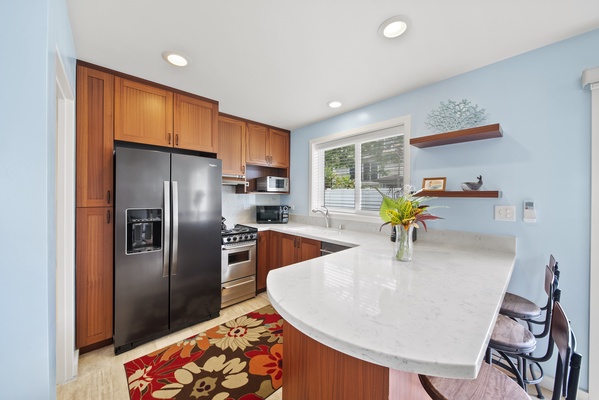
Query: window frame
point(357, 215)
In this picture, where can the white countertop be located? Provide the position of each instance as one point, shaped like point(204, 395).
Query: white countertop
point(433, 315)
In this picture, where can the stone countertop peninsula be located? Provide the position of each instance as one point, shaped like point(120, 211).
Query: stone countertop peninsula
point(432, 316)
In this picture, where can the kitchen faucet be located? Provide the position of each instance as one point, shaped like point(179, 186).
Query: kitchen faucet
point(325, 213)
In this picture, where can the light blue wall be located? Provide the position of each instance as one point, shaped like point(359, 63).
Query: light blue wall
point(544, 156)
point(30, 33)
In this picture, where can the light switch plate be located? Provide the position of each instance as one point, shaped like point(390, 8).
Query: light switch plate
point(505, 213)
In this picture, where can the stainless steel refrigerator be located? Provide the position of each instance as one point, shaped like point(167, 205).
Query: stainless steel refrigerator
point(167, 243)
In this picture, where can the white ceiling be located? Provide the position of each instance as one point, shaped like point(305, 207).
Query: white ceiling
point(280, 62)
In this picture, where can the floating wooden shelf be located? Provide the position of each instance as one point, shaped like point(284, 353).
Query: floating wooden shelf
point(461, 136)
point(491, 194)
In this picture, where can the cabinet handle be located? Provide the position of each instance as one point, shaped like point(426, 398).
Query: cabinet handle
point(108, 196)
point(169, 138)
point(177, 139)
point(108, 216)
point(243, 169)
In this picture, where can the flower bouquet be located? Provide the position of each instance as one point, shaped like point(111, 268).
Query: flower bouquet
point(404, 212)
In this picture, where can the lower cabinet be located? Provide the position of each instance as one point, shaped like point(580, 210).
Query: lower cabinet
point(262, 259)
point(295, 249)
point(276, 250)
point(94, 275)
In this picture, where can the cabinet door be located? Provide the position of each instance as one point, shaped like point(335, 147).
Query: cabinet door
point(195, 124)
point(94, 138)
point(143, 113)
point(308, 249)
point(288, 248)
point(279, 148)
point(275, 249)
point(231, 141)
point(94, 272)
point(262, 259)
point(257, 147)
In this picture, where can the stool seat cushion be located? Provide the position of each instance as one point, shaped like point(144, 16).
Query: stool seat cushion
point(518, 307)
point(511, 337)
point(489, 384)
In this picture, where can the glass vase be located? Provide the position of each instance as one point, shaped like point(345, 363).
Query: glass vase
point(405, 245)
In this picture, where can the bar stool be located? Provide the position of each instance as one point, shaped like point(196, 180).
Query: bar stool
point(515, 306)
point(511, 339)
point(492, 384)
point(527, 361)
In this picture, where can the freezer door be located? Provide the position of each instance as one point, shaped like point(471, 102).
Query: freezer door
point(141, 285)
point(195, 270)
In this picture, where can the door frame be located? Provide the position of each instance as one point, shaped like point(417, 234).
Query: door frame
point(590, 78)
point(66, 353)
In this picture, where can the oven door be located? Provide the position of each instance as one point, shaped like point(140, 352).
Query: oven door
point(238, 260)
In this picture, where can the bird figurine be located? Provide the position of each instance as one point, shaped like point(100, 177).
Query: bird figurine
point(473, 185)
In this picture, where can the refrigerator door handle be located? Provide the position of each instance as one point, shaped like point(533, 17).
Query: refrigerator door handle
point(175, 227)
point(167, 228)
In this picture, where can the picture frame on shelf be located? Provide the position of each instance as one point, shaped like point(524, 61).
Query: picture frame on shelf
point(434, 184)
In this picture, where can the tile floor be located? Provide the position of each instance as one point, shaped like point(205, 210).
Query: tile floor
point(102, 375)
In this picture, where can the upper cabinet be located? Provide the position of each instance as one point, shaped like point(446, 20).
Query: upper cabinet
point(267, 146)
point(231, 138)
point(279, 148)
point(143, 113)
point(152, 115)
point(94, 138)
point(196, 124)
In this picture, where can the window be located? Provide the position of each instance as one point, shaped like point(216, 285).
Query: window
point(346, 168)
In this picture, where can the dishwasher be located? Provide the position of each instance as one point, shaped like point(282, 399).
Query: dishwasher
point(328, 248)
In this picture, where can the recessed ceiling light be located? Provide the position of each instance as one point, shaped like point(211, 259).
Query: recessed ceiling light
point(176, 58)
point(393, 27)
point(335, 104)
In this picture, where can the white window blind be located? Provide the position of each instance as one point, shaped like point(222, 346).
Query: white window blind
point(347, 168)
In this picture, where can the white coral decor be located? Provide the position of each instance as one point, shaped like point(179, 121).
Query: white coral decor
point(454, 115)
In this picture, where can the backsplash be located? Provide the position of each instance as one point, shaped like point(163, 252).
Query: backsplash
point(359, 226)
point(234, 205)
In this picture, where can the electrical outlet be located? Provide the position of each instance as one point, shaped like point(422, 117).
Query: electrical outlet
point(505, 213)
point(247, 206)
point(292, 207)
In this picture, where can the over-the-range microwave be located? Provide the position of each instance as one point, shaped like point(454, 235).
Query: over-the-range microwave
point(272, 184)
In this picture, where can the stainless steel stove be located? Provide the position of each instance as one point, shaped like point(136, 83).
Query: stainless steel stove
point(240, 233)
point(238, 264)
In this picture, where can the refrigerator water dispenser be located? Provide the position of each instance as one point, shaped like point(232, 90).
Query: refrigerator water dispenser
point(144, 230)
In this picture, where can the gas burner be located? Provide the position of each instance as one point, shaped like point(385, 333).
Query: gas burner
point(240, 233)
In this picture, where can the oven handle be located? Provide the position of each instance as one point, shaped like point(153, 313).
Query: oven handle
point(237, 284)
point(240, 246)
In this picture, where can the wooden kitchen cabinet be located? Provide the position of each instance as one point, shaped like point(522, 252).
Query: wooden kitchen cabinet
point(279, 148)
point(262, 260)
point(196, 124)
point(94, 275)
point(295, 249)
point(231, 139)
point(276, 250)
point(143, 113)
point(153, 115)
point(95, 90)
point(267, 146)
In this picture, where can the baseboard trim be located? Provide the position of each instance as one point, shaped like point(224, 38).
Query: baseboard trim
point(548, 383)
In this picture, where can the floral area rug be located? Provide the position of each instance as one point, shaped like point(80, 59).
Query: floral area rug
point(239, 360)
